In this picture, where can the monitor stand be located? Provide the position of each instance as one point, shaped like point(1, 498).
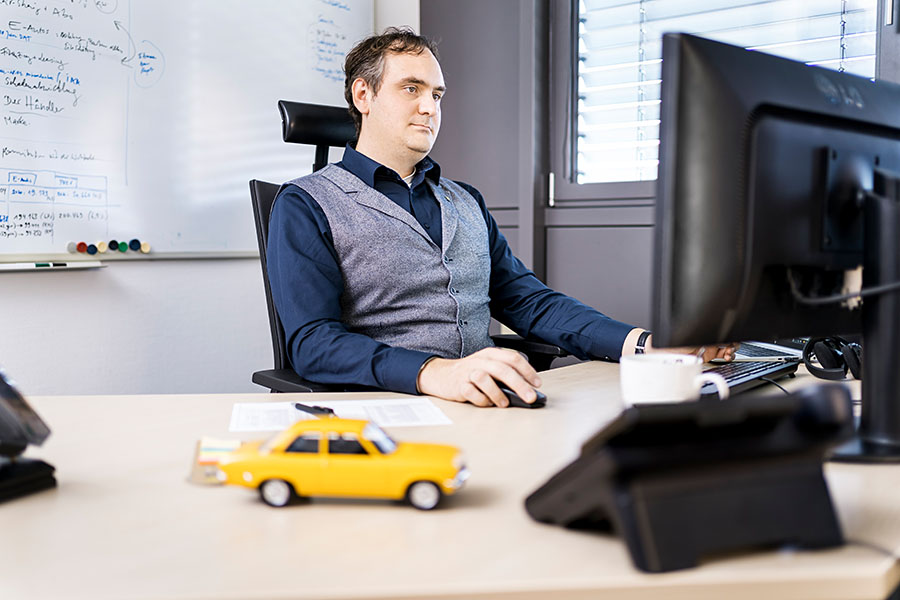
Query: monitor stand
point(22, 476)
point(877, 438)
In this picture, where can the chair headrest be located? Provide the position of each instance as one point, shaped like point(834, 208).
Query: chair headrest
point(315, 124)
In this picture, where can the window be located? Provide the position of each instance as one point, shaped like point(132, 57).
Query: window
point(620, 56)
point(307, 443)
point(346, 443)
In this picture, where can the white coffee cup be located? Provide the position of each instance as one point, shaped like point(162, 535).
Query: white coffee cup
point(664, 377)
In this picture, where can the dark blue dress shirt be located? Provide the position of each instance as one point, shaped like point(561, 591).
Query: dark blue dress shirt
point(307, 285)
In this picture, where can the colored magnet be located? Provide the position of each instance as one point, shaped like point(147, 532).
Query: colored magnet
point(113, 245)
point(81, 247)
point(145, 247)
point(91, 249)
point(123, 247)
point(72, 247)
point(135, 244)
point(102, 247)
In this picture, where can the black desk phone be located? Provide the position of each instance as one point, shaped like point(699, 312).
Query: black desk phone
point(20, 426)
point(680, 481)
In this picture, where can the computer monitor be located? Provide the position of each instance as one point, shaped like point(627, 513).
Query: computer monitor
point(775, 185)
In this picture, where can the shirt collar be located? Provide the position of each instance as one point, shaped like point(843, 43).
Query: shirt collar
point(368, 170)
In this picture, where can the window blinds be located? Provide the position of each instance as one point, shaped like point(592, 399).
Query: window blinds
point(620, 56)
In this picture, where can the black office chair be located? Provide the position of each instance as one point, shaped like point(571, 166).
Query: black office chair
point(282, 378)
point(325, 126)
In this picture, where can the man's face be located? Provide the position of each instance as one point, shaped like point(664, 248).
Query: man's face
point(405, 115)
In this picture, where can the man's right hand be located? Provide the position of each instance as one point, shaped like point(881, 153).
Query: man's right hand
point(474, 378)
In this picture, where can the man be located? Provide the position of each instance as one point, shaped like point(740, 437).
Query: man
point(386, 274)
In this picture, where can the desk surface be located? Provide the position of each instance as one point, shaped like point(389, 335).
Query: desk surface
point(125, 523)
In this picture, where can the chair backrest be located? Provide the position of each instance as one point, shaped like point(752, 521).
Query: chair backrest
point(262, 195)
point(321, 126)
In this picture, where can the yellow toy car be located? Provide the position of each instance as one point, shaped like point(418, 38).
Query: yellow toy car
point(344, 457)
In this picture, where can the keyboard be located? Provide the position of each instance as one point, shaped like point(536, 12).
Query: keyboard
point(743, 376)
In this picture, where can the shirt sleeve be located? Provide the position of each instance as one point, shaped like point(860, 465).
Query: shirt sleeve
point(306, 285)
point(523, 303)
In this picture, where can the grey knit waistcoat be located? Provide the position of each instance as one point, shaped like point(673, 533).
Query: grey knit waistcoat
point(399, 287)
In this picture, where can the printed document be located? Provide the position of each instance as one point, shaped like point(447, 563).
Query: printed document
point(387, 412)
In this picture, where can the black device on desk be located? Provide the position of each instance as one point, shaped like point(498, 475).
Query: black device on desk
point(515, 401)
point(680, 481)
point(777, 182)
point(19, 427)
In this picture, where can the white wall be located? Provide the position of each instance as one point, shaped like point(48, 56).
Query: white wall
point(159, 326)
point(156, 326)
point(397, 13)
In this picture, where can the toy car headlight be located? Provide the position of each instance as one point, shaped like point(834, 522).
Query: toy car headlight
point(459, 461)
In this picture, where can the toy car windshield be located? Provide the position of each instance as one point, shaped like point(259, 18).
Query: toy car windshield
point(382, 441)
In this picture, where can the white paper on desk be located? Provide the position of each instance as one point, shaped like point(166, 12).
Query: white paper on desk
point(387, 412)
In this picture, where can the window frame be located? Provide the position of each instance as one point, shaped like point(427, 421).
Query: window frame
point(563, 88)
point(887, 41)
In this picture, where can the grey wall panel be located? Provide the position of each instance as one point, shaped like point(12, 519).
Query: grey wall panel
point(608, 268)
point(512, 237)
point(478, 143)
point(608, 214)
point(505, 217)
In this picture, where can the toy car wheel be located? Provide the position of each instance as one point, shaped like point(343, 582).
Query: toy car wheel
point(276, 492)
point(423, 495)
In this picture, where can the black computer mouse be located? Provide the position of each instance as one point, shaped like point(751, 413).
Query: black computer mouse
point(514, 399)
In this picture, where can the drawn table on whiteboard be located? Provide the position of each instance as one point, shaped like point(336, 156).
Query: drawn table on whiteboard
point(47, 204)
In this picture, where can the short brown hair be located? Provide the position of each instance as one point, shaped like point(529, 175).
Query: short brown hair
point(366, 60)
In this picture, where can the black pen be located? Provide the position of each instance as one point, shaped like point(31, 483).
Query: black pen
point(314, 410)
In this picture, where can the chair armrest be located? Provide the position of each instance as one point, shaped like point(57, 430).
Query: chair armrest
point(540, 354)
point(287, 380)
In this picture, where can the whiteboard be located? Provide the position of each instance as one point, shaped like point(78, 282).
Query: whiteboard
point(135, 119)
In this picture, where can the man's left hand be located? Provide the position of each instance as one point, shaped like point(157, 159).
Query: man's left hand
point(707, 353)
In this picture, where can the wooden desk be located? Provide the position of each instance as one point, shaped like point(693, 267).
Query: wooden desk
point(125, 523)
